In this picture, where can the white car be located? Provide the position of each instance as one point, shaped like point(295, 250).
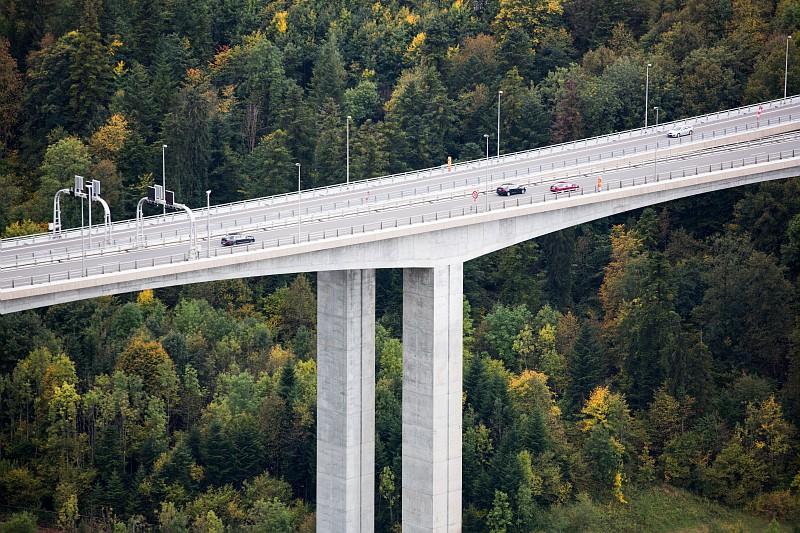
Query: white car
point(680, 131)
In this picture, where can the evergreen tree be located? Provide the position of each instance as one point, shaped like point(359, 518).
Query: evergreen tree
point(188, 136)
point(148, 22)
point(419, 118)
point(559, 252)
point(115, 493)
point(90, 73)
point(270, 168)
point(567, 122)
point(586, 366)
point(245, 438)
point(500, 518)
point(328, 78)
point(137, 102)
point(369, 151)
point(329, 153)
point(10, 93)
point(216, 451)
point(362, 101)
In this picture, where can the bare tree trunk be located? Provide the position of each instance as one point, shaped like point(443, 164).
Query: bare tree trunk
point(250, 125)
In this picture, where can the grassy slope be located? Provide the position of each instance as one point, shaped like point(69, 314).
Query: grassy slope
point(656, 509)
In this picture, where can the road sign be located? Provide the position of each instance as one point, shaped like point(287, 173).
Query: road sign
point(151, 193)
point(78, 184)
point(169, 197)
point(475, 195)
point(95, 189)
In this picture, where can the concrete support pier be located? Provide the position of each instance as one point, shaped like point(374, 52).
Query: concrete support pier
point(345, 401)
point(432, 382)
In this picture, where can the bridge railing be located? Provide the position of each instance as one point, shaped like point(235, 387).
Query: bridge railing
point(416, 174)
point(395, 221)
point(162, 237)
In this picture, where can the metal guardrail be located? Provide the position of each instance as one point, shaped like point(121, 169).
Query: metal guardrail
point(405, 176)
point(177, 235)
point(395, 222)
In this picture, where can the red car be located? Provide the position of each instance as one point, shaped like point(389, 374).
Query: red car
point(563, 186)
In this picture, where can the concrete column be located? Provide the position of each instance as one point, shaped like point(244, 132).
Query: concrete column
point(345, 401)
point(432, 376)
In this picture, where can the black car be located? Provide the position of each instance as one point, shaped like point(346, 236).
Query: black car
point(508, 189)
point(232, 239)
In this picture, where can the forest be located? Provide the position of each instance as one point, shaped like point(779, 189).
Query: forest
point(654, 352)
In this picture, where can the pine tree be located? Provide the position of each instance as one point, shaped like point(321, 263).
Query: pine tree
point(567, 122)
point(10, 93)
point(586, 366)
point(270, 168)
point(148, 20)
point(369, 151)
point(419, 119)
point(188, 132)
point(90, 73)
point(559, 252)
point(328, 78)
point(216, 451)
point(329, 153)
point(473, 382)
point(137, 101)
point(115, 495)
point(500, 517)
point(245, 438)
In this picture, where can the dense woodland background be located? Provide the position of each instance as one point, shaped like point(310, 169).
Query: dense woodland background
point(656, 351)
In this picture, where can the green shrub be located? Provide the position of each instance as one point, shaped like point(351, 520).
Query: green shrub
point(19, 523)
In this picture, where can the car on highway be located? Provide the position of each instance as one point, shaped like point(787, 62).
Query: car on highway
point(507, 189)
point(564, 186)
point(232, 239)
point(680, 131)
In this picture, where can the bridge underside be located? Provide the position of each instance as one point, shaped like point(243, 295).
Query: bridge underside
point(418, 246)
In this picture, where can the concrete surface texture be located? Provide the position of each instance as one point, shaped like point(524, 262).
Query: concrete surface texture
point(345, 401)
point(432, 377)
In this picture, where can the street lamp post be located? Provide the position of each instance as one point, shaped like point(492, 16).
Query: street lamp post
point(499, 93)
point(208, 223)
point(349, 118)
point(81, 194)
point(646, 93)
point(655, 160)
point(786, 67)
point(486, 136)
point(90, 186)
point(298, 202)
point(164, 173)
point(83, 246)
